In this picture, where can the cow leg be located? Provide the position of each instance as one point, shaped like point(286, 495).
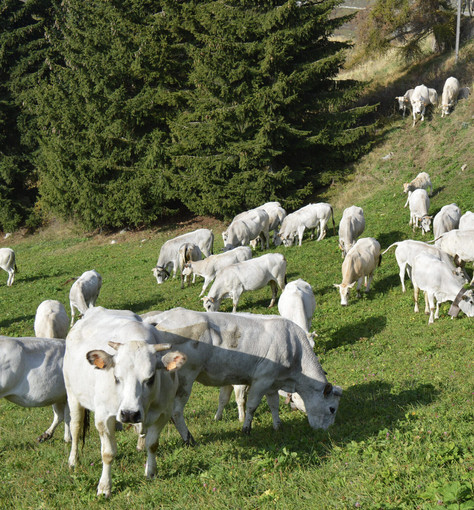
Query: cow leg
point(254, 397)
point(235, 298)
point(359, 284)
point(177, 416)
point(402, 276)
point(72, 315)
point(240, 391)
point(224, 396)
point(67, 422)
point(207, 281)
point(427, 305)
point(106, 429)
point(273, 400)
point(322, 230)
point(151, 442)
point(77, 419)
point(300, 232)
point(432, 307)
point(416, 292)
point(11, 277)
point(369, 281)
point(58, 417)
point(274, 287)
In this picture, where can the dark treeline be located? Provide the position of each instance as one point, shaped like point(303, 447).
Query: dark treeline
point(117, 113)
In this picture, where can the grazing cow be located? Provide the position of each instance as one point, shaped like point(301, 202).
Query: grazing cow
point(419, 204)
point(32, 376)
point(267, 353)
point(84, 292)
point(113, 367)
point(459, 244)
point(466, 222)
point(361, 261)
point(420, 99)
point(464, 93)
point(251, 274)
point(298, 304)
point(208, 267)
point(168, 259)
point(187, 252)
point(421, 181)
point(438, 282)
point(311, 216)
point(51, 320)
point(404, 101)
point(350, 228)
point(245, 227)
point(276, 215)
point(450, 95)
point(406, 252)
point(447, 219)
point(433, 95)
point(7, 263)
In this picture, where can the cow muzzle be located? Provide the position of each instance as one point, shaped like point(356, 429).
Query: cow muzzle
point(128, 416)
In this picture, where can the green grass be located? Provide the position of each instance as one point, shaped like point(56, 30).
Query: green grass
point(403, 435)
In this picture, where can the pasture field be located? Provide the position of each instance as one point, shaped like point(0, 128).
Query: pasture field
point(403, 436)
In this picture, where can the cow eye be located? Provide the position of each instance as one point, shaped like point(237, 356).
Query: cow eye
point(116, 379)
point(151, 380)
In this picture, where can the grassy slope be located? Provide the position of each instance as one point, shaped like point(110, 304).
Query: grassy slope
point(403, 434)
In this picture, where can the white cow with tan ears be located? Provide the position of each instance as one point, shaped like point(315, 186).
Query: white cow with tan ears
point(360, 262)
point(7, 263)
point(419, 204)
point(404, 102)
point(113, 366)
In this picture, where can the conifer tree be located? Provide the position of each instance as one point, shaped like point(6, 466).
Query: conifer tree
point(265, 115)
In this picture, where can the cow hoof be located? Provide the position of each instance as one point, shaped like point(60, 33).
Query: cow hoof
point(246, 430)
point(44, 437)
point(190, 441)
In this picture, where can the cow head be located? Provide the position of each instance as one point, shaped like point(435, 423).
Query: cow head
point(445, 109)
point(466, 303)
point(187, 270)
point(418, 106)
point(403, 102)
point(211, 304)
point(160, 273)
point(344, 289)
point(425, 223)
point(134, 367)
point(321, 404)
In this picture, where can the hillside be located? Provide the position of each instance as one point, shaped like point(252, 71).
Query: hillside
point(403, 435)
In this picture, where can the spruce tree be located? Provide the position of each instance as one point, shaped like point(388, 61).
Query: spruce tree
point(266, 116)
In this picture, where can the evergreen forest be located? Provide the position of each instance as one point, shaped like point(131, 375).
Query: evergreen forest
point(122, 113)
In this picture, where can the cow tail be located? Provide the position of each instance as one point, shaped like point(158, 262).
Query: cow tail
point(333, 224)
point(380, 259)
point(16, 269)
point(391, 246)
point(85, 425)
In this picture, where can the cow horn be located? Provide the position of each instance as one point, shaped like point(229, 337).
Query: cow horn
point(327, 389)
point(162, 347)
point(115, 345)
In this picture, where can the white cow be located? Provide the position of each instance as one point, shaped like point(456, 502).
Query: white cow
point(84, 292)
point(265, 352)
point(7, 263)
point(208, 267)
point(350, 228)
point(253, 274)
point(311, 216)
point(447, 219)
point(298, 304)
point(361, 261)
point(276, 215)
point(245, 227)
point(168, 259)
point(419, 204)
point(404, 101)
point(433, 95)
point(450, 95)
point(439, 284)
point(421, 181)
point(187, 252)
point(406, 252)
point(113, 367)
point(466, 222)
point(459, 244)
point(51, 320)
point(31, 375)
point(420, 99)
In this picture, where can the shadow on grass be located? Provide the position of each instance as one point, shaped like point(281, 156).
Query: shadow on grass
point(9, 322)
point(351, 333)
point(388, 238)
point(149, 304)
point(384, 284)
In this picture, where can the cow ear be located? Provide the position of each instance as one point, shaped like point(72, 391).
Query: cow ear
point(327, 390)
point(115, 345)
point(100, 359)
point(162, 347)
point(337, 285)
point(351, 285)
point(173, 360)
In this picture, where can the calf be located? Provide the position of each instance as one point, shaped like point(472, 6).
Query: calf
point(419, 204)
point(439, 284)
point(361, 261)
point(187, 252)
point(251, 274)
point(32, 376)
point(421, 181)
point(311, 216)
point(84, 292)
point(447, 219)
point(208, 267)
point(7, 263)
point(406, 252)
point(113, 367)
point(350, 228)
point(404, 101)
point(51, 320)
point(267, 353)
point(168, 259)
point(420, 99)
point(450, 95)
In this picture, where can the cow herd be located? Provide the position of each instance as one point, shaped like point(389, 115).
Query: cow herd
point(419, 98)
point(140, 370)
